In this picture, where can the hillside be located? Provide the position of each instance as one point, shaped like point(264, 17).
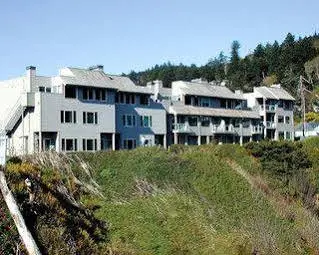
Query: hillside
point(211, 199)
point(268, 63)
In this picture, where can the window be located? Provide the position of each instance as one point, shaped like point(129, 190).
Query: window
point(130, 99)
point(288, 135)
point(146, 121)
point(48, 90)
point(100, 94)
point(125, 98)
point(70, 92)
point(128, 120)
point(281, 135)
point(129, 144)
point(69, 145)
point(144, 99)
point(41, 89)
point(88, 93)
point(188, 100)
point(192, 121)
point(205, 121)
point(204, 102)
point(89, 144)
point(90, 118)
point(280, 119)
point(68, 116)
point(287, 120)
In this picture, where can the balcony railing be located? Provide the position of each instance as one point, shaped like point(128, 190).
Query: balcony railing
point(270, 124)
point(223, 128)
point(181, 128)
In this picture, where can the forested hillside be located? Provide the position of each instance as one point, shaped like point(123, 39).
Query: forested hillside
point(269, 63)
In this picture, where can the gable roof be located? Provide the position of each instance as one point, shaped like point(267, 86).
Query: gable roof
point(218, 112)
point(208, 90)
point(273, 93)
point(94, 78)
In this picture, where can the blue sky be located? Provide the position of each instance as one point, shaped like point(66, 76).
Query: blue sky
point(128, 35)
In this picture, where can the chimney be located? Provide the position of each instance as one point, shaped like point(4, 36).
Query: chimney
point(31, 73)
point(239, 92)
point(97, 68)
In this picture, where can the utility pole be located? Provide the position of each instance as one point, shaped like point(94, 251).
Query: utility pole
point(303, 101)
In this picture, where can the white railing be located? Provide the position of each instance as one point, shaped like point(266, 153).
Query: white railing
point(12, 116)
point(181, 127)
point(223, 128)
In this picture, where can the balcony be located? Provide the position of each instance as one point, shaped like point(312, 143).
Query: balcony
point(270, 124)
point(269, 108)
point(256, 129)
point(225, 129)
point(181, 128)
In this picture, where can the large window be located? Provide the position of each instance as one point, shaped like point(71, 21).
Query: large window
point(204, 102)
point(90, 118)
point(69, 145)
point(93, 94)
point(192, 121)
point(68, 116)
point(287, 120)
point(129, 144)
point(125, 98)
point(146, 121)
point(128, 120)
point(89, 144)
point(144, 99)
point(70, 92)
point(280, 119)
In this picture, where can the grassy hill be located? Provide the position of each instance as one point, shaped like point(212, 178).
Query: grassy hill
point(211, 199)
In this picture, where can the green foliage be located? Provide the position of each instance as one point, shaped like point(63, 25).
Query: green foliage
point(206, 199)
point(9, 237)
point(280, 157)
point(285, 61)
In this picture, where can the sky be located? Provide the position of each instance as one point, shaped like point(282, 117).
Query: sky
point(135, 35)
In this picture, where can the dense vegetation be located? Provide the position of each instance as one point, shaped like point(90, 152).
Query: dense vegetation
point(211, 199)
point(268, 63)
point(9, 238)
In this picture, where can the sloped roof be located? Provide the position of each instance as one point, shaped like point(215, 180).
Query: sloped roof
point(209, 90)
point(274, 93)
point(205, 111)
point(94, 78)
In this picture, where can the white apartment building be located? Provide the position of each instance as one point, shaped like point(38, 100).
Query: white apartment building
point(275, 107)
point(78, 110)
point(200, 112)
point(88, 110)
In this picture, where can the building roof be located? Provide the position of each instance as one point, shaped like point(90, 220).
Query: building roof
point(273, 93)
point(218, 112)
point(95, 78)
point(208, 90)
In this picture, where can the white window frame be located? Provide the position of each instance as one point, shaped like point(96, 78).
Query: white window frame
point(125, 143)
point(125, 118)
point(149, 122)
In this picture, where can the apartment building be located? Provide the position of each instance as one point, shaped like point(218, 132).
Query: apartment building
point(78, 110)
point(200, 112)
point(275, 107)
